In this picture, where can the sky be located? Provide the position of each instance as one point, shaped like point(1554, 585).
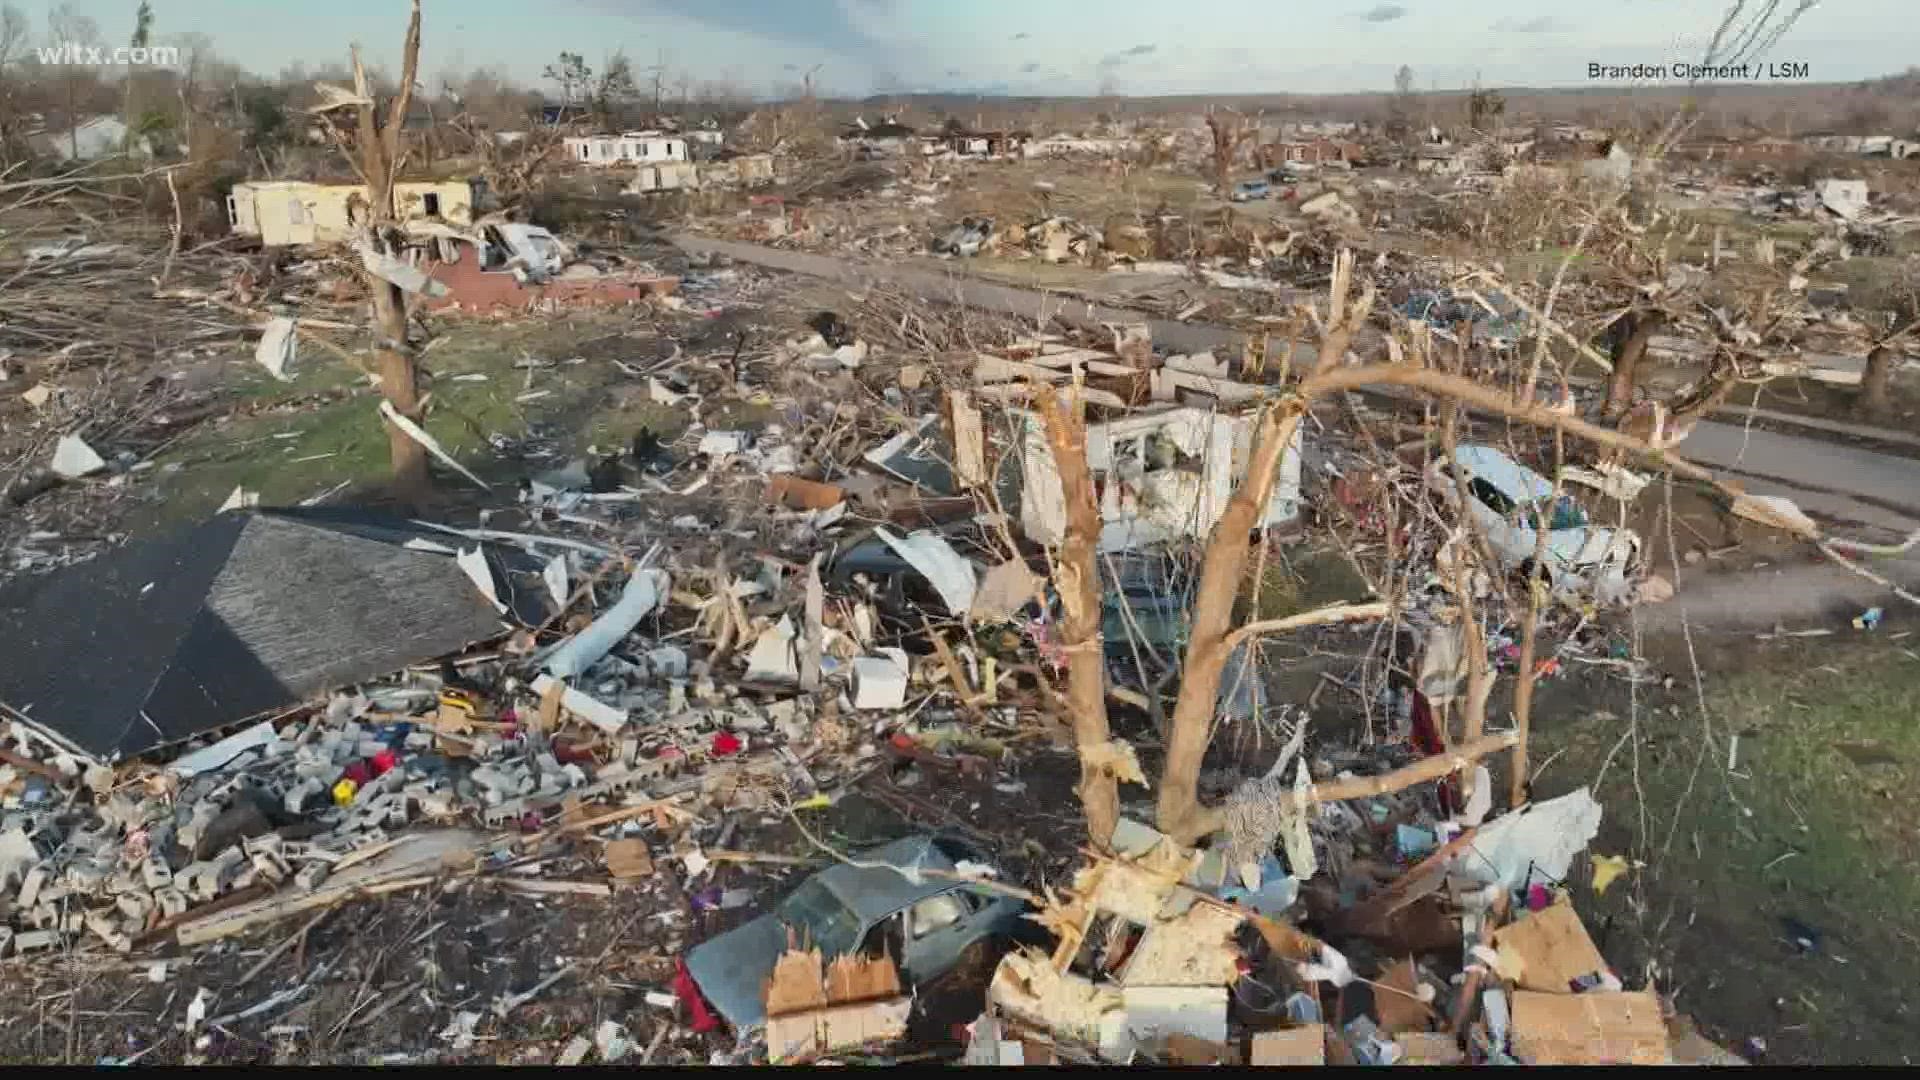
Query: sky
point(1040, 47)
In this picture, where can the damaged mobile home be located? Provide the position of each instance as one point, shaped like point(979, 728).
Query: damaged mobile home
point(284, 213)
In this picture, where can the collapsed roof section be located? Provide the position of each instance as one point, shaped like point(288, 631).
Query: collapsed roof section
point(249, 612)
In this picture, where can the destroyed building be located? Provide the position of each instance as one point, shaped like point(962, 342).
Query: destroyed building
point(644, 147)
point(298, 212)
point(1311, 153)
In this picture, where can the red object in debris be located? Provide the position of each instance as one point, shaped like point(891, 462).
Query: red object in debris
point(903, 742)
point(384, 761)
point(469, 288)
point(1426, 739)
point(358, 772)
point(1538, 897)
point(725, 744)
point(685, 989)
point(568, 754)
point(1426, 734)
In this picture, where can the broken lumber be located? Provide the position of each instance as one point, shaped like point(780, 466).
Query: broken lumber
point(1432, 768)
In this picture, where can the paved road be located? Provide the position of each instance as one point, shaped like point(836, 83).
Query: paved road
point(1844, 483)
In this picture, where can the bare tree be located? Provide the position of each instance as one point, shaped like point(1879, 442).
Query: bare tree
point(659, 72)
point(1631, 336)
point(614, 89)
point(1484, 108)
point(1230, 130)
point(376, 154)
point(1400, 107)
point(1077, 575)
point(14, 32)
point(1901, 304)
point(572, 73)
point(67, 27)
point(142, 33)
point(196, 53)
point(1746, 33)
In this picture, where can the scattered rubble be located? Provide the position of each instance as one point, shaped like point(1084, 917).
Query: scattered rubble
point(822, 567)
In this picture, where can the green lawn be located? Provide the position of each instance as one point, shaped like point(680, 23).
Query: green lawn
point(1815, 822)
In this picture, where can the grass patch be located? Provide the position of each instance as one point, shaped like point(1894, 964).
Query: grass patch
point(1814, 823)
point(288, 441)
point(1301, 579)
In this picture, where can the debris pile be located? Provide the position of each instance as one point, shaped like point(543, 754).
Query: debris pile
point(1469, 952)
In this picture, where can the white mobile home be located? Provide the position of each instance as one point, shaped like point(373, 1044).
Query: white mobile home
point(644, 147)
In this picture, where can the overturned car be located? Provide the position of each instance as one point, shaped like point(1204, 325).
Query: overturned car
point(1510, 504)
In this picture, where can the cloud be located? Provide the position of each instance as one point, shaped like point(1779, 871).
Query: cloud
point(789, 67)
point(849, 28)
point(1113, 60)
point(1545, 24)
point(1381, 13)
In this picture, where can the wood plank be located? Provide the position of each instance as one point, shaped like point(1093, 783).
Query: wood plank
point(969, 439)
point(628, 858)
point(1304, 1045)
point(1067, 356)
point(795, 985)
point(1005, 392)
point(1226, 390)
point(1595, 1028)
point(1399, 1012)
point(1429, 1048)
point(1552, 949)
point(993, 369)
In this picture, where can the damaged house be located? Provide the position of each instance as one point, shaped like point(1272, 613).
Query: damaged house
point(888, 138)
point(966, 143)
point(1315, 152)
point(1886, 146)
point(291, 212)
point(1160, 476)
point(511, 266)
point(626, 148)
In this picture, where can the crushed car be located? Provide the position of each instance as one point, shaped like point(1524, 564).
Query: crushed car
point(1509, 503)
point(865, 906)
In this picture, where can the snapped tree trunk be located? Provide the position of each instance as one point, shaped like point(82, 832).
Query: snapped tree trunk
point(1627, 352)
point(380, 155)
point(400, 384)
point(1209, 643)
point(1876, 383)
point(1077, 577)
point(1179, 812)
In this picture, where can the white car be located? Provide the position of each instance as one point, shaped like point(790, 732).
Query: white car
point(1508, 500)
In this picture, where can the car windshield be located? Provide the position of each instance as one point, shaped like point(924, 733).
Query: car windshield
point(822, 920)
